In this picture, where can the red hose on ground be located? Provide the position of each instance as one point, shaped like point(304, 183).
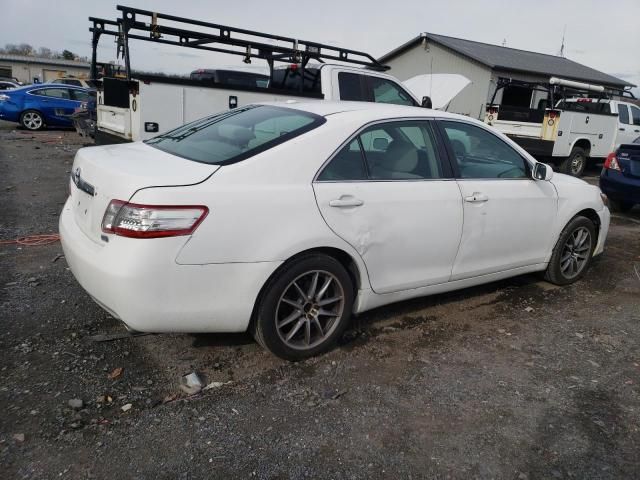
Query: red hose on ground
point(33, 240)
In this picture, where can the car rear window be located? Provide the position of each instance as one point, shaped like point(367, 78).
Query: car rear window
point(236, 135)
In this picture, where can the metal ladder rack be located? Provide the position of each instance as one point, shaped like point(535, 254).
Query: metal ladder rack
point(146, 25)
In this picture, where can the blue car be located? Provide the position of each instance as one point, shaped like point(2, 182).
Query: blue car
point(620, 177)
point(44, 104)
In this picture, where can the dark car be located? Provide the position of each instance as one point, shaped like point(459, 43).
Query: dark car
point(41, 104)
point(620, 177)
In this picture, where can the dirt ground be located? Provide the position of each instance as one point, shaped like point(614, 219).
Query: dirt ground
point(471, 384)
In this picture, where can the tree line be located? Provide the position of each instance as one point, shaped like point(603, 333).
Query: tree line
point(41, 52)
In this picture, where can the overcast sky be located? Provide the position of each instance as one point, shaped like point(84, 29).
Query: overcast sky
point(604, 35)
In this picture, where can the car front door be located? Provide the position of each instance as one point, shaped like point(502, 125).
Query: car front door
point(390, 194)
point(625, 126)
point(508, 216)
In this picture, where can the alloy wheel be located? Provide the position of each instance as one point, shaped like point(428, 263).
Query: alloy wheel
point(309, 309)
point(577, 164)
point(32, 120)
point(575, 253)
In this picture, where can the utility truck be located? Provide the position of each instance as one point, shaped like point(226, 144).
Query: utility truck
point(141, 106)
point(576, 123)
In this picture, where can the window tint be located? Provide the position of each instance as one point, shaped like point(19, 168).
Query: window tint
point(54, 92)
point(623, 114)
point(386, 91)
point(481, 154)
point(79, 95)
point(392, 151)
point(291, 79)
point(235, 135)
point(351, 87)
point(635, 113)
point(348, 164)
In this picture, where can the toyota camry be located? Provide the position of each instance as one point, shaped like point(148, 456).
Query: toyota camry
point(285, 219)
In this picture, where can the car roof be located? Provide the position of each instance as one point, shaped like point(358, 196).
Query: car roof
point(51, 85)
point(366, 109)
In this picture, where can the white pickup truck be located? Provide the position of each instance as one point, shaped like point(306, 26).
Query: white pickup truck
point(574, 131)
point(146, 106)
point(141, 106)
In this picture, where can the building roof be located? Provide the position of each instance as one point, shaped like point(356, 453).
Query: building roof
point(50, 61)
point(505, 58)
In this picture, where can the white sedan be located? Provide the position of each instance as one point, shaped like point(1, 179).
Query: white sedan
point(286, 219)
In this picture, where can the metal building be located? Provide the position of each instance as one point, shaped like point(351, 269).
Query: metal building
point(484, 64)
point(27, 69)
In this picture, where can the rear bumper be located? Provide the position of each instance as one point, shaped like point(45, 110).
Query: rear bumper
point(534, 146)
point(104, 138)
point(620, 188)
point(139, 282)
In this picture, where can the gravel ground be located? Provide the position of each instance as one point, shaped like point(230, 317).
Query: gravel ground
point(517, 379)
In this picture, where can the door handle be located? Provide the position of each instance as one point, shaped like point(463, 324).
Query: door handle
point(621, 129)
point(637, 131)
point(476, 197)
point(345, 201)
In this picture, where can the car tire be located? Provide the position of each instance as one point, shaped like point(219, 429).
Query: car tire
point(575, 163)
point(573, 253)
point(291, 320)
point(620, 206)
point(31, 120)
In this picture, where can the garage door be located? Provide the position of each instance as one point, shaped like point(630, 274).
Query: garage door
point(50, 75)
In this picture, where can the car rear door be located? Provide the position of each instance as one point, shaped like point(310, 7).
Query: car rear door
point(389, 193)
point(508, 216)
point(57, 105)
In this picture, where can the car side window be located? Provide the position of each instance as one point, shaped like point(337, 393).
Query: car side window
point(387, 91)
point(351, 87)
point(347, 164)
point(79, 95)
point(623, 114)
point(481, 154)
point(401, 151)
point(54, 92)
point(635, 113)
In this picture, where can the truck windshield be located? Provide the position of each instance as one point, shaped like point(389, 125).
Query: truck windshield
point(236, 135)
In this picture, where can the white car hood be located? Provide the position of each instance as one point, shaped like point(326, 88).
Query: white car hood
point(440, 87)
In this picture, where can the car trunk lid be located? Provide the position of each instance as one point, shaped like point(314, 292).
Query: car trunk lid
point(629, 160)
point(102, 174)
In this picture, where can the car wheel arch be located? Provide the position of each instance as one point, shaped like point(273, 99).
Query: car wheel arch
point(346, 260)
point(589, 213)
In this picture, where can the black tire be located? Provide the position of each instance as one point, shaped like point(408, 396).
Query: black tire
point(32, 120)
point(554, 272)
point(263, 326)
point(575, 163)
point(620, 206)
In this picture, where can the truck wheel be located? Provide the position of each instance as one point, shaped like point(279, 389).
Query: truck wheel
point(31, 120)
point(620, 206)
point(575, 163)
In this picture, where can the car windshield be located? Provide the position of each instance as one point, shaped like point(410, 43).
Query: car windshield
point(236, 135)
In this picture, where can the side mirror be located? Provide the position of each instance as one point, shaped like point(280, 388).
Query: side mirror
point(426, 102)
point(542, 171)
point(380, 143)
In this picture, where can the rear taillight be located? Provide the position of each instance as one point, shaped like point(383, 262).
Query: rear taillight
point(493, 111)
point(152, 221)
point(611, 163)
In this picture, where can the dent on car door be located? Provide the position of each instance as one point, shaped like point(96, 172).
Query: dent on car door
point(508, 216)
point(389, 194)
